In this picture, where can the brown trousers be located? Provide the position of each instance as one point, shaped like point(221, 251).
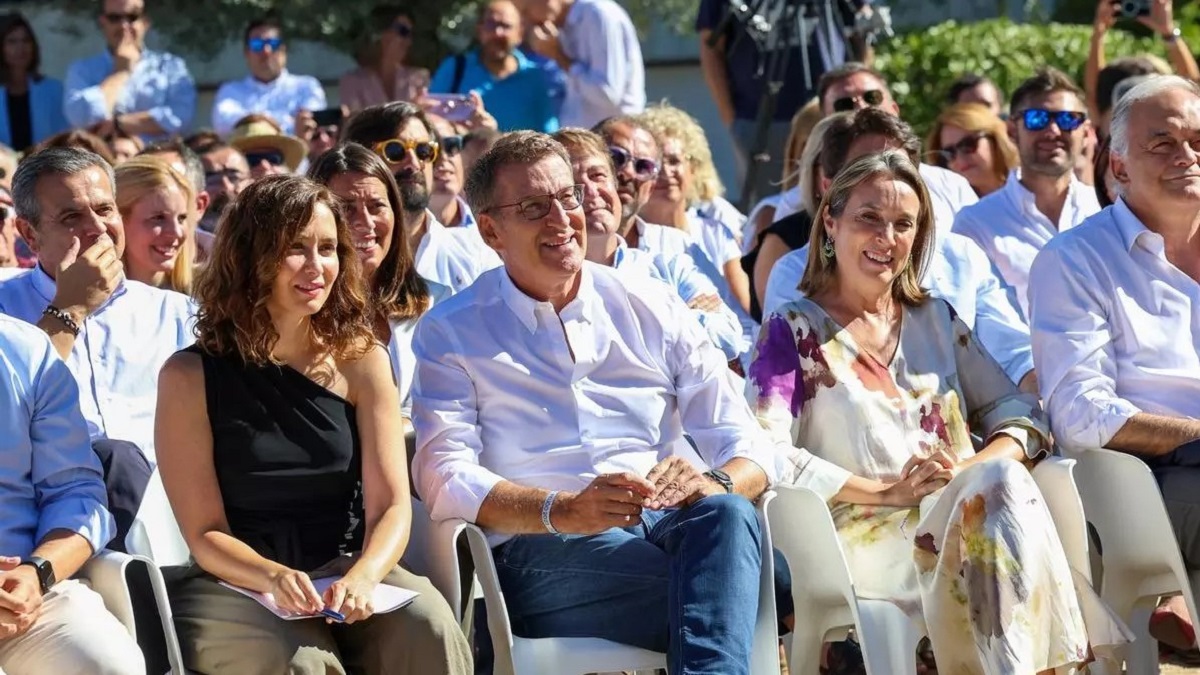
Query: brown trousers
point(221, 631)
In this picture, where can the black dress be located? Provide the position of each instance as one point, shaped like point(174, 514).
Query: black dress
point(288, 461)
point(794, 230)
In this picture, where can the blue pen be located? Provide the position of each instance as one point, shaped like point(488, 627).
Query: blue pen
point(333, 615)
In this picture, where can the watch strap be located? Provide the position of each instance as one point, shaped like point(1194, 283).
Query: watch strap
point(45, 572)
point(721, 478)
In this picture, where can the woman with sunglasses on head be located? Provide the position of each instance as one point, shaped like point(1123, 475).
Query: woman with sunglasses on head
point(970, 140)
point(382, 75)
point(397, 293)
point(283, 458)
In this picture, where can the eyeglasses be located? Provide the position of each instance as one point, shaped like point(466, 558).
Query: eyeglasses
point(395, 150)
point(115, 17)
point(966, 146)
point(644, 167)
point(538, 206)
point(272, 157)
point(451, 146)
point(214, 178)
point(871, 97)
point(259, 45)
point(1036, 119)
point(490, 25)
point(402, 29)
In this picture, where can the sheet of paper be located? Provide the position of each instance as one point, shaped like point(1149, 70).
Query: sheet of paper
point(384, 599)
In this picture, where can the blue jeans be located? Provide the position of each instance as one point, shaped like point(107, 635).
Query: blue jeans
point(684, 582)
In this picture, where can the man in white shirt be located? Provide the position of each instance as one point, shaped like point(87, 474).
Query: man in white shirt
point(1043, 197)
point(403, 136)
point(596, 45)
point(549, 397)
point(1115, 304)
point(269, 89)
point(113, 333)
point(958, 272)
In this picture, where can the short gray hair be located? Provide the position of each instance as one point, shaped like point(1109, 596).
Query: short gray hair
point(1118, 128)
point(518, 147)
point(51, 161)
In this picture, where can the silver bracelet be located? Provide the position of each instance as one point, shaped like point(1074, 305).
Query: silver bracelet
point(546, 506)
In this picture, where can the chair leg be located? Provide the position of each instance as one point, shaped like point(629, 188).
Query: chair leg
point(803, 648)
point(1143, 653)
point(887, 638)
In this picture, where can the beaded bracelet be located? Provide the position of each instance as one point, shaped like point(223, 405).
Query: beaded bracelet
point(546, 506)
point(63, 318)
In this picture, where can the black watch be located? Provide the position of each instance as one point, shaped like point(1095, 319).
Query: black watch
point(719, 476)
point(45, 572)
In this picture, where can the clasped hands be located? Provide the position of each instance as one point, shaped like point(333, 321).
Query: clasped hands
point(618, 499)
point(20, 597)
point(920, 477)
point(349, 596)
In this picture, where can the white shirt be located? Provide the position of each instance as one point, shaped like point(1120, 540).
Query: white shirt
point(453, 256)
point(958, 273)
point(499, 397)
point(722, 211)
point(749, 228)
point(715, 239)
point(280, 99)
point(118, 353)
point(1116, 329)
point(607, 76)
point(404, 364)
point(10, 272)
point(1011, 230)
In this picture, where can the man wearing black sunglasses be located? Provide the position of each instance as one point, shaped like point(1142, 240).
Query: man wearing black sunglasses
point(128, 88)
point(445, 197)
point(1043, 197)
point(269, 89)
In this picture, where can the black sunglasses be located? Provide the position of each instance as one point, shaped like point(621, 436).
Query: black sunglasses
point(538, 206)
point(402, 29)
point(272, 157)
point(117, 17)
point(1036, 119)
point(451, 146)
point(644, 167)
point(871, 97)
point(965, 146)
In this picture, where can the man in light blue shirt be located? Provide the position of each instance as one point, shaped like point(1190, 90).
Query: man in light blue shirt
point(514, 89)
point(127, 87)
point(269, 89)
point(52, 519)
point(113, 333)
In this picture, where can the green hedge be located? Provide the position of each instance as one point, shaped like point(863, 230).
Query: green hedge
point(920, 65)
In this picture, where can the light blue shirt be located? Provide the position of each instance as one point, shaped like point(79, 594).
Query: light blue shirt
point(280, 99)
point(607, 76)
point(49, 477)
point(521, 100)
point(118, 353)
point(45, 111)
point(681, 273)
point(159, 84)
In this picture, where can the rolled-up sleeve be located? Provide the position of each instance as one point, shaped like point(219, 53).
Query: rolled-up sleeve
point(84, 103)
point(67, 479)
point(1072, 348)
point(175, 112)
point(446, 469)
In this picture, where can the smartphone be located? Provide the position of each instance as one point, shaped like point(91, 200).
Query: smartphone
point(1132, 9)
point(452, 107)
point(329, 117)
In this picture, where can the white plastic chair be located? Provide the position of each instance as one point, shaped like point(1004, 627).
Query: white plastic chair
point(107, 575)
point(826, 603)
point(1141, 556)
point(576, 656)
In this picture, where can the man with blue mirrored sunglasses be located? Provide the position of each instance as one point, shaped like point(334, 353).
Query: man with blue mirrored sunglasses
point(1043, 197)
point(269, 89)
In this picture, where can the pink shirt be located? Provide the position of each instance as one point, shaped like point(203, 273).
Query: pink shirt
point(361, 87)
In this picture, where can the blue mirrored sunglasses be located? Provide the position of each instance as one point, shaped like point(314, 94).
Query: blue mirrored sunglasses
point(259, 45)
point(1036, 119)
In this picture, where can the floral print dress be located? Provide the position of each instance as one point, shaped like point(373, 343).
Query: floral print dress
point(979, 561)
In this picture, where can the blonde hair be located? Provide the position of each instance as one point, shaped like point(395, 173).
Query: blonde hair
point(821, 272)
point(810, 163)
point(804, 124)
point(973, 118)
point(142, 175)
point(664, 121)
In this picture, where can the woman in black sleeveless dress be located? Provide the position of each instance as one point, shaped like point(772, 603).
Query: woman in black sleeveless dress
point(283, 457)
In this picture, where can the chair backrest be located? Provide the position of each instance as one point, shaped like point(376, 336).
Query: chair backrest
point(154, 532)
point(820, 576)
point(1056, 481)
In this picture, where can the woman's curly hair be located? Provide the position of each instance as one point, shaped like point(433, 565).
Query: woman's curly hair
point(252, 238)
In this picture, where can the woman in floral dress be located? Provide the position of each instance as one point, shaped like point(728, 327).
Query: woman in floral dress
point(879, 388)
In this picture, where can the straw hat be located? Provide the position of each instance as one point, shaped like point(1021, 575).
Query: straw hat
point(258, 131)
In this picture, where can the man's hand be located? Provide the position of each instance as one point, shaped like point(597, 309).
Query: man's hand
point(611, 500)
point(678, 483)
point(306, 125)
point(1106, 16)
point(480, 117)
point(1161, 19)
point(543, 39)
point(126, 55)
point(85, 281)
point(20, 597)
point(706, 303)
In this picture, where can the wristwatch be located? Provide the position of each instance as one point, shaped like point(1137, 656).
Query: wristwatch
point(1172, 36)
point(720, 477)
point(45, 572)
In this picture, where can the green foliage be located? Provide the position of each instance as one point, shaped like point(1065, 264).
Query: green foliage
point(921, 64)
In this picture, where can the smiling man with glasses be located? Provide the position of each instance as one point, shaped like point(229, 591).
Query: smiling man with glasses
point(128, 88)
point(269, 89)
point(1049, 122)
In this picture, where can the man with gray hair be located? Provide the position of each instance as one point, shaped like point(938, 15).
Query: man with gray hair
point(1114, 301)
point(113, 333)
point(587, 514)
